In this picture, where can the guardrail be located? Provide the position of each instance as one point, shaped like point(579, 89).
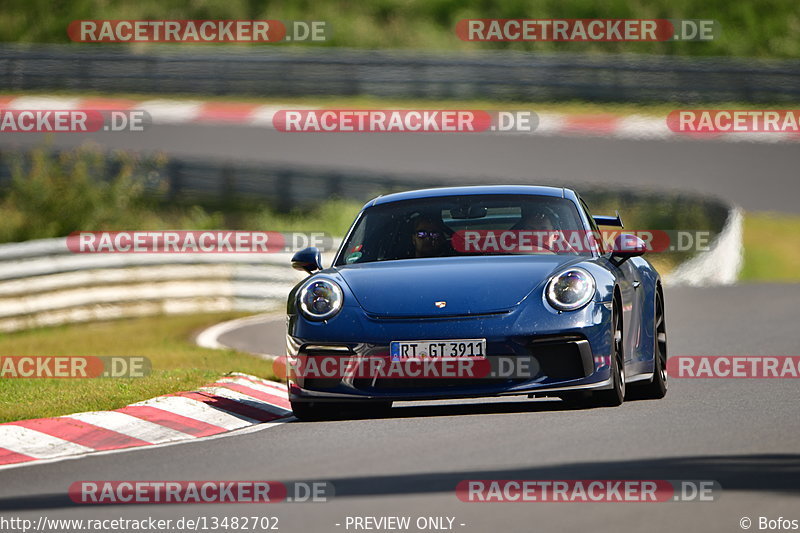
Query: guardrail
point(501, 75)
point(42, 283)
point(721, 264)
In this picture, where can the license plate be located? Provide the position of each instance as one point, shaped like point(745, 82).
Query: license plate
point(439, 348)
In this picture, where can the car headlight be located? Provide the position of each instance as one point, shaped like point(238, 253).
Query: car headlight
point(570, 290)
point(320, 299)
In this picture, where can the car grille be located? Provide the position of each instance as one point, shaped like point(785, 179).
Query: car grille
point(559, 358)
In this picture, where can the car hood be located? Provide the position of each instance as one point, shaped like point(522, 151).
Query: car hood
point(468, 285)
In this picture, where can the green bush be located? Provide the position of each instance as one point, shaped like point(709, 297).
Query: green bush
point(333, 217)
point(750, 28)
point(87, 190)
point(53, 195)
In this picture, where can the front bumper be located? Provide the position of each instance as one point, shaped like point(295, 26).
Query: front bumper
point(571, 353)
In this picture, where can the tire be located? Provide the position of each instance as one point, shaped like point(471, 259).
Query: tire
point(317, 411)
point(657, 387)
point(614, 396)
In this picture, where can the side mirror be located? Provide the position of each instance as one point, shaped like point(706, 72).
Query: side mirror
point(627, 246)
point(308, 259)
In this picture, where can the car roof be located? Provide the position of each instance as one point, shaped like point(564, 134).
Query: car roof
point(534, 190)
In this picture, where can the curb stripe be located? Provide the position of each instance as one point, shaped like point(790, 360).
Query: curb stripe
point(280, 388)
point(79, 432)
point(130, 425)
point(166, 111)
point(120, 104)
point(44, 103)
point(231, 406)
point(280, 391)
point(235, 402)
point(220, 390)
point(266, 397)
point(7, 457)
point(601, 124)
point(245, 399)
point(171, 420)
point(227, 112)
point(199, 410)
point(36, 444)
point(171, 111)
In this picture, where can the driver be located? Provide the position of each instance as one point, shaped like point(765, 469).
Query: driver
point(543, 222)
point(429, 237)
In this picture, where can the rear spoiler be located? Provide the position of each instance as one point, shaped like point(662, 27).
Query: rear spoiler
point(608, 221)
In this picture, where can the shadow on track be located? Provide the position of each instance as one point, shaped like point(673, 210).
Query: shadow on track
point(465, 409)
point(768, 473)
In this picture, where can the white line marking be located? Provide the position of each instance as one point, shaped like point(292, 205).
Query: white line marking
point(209, 338)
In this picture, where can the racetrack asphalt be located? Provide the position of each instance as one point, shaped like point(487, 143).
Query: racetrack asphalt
point(742, 433)
point(756, 176)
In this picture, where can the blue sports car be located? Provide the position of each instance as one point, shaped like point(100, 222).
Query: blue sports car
point(515, 279)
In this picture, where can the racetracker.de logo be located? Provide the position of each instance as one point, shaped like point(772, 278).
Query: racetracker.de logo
point(206, 491)
point(586, 30)
point(699, 121)
point(578, 241)
point(74, 366)
point(586, 490)
point(196, 31)
point(91, 242)
point(385, 367)
point(404, 120)
point(734, 366)
point(72, 120)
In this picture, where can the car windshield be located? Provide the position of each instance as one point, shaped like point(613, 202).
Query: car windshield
point(471, 225)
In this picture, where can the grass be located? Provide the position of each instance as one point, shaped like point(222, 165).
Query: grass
point(771, 247)
point(178, 364)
